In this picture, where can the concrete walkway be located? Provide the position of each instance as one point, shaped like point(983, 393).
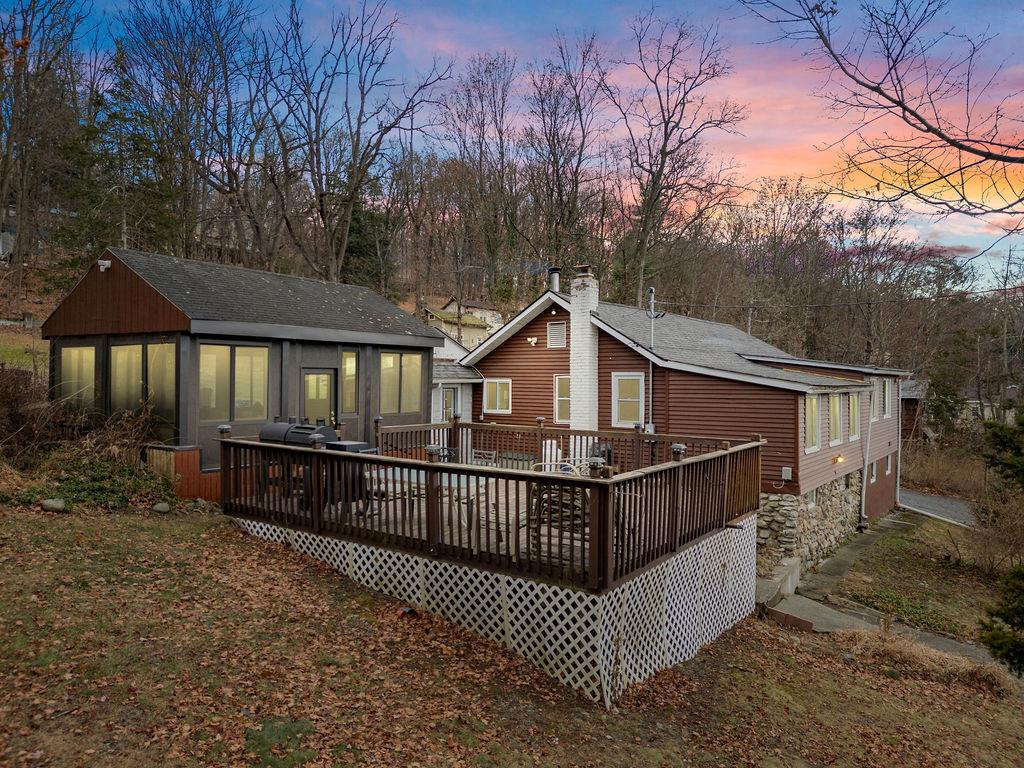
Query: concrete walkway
point(943, 507)
point(809, 615)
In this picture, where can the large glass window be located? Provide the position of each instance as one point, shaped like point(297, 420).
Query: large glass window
point(562, 399)
point(161, 382)
point(497, 395)
point(627, 399)
point(214, 382)
point(401, 382)
point(812, 426)
point(241, 397)
point(318, 396)
point(349, 381)
point(251, 383)
point(78, 376)
point(125, 377)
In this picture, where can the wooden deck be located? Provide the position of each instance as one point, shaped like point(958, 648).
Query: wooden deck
point(585, 531)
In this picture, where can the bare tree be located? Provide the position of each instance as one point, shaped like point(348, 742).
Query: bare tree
point(929, 121)
point(666, 119)
point(337, 104)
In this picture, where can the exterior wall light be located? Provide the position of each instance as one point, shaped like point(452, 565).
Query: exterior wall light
point(839, 459)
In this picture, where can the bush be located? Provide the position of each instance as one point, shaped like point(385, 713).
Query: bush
point(30, 423)
point(1003, 632)
point(952, 471)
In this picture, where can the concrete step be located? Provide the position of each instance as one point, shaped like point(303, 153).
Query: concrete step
point(781, 584)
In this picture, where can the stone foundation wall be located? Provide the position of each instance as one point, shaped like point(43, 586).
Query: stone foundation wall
point(810, 528)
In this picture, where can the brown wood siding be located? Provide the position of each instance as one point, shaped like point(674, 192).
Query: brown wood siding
point(819, 467)
point(615, 357)
point(532, 370)
point(881, 494)
point(115, 301)
point(705, 405)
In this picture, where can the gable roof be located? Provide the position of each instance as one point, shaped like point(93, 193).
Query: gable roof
point(453, 372)
point(230, 300)
point(683, 343)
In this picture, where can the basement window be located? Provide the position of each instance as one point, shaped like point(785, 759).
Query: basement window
point(874, 471)
point(556, 335)
point(888, 464)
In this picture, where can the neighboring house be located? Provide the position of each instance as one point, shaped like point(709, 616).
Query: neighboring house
point(453, 382)
point(469, 323)
point(584, 363)
point(207, 344)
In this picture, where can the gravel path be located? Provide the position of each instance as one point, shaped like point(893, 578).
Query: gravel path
point(943, 507)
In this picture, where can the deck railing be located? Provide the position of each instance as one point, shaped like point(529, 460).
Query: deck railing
point(520, 446)
point(590, 532)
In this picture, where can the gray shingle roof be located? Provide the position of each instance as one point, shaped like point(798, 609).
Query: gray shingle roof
point(218, 292)
point(451, 371)
point(706, 344)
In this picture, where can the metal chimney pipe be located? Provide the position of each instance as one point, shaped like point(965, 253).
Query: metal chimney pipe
point(555, 279)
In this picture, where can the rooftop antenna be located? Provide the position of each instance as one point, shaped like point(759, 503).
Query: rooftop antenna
point(653, 314)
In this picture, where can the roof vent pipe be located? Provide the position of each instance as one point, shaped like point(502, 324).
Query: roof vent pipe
point(555, 279)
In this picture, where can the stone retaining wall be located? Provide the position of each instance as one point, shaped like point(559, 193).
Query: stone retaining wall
point(796, 527)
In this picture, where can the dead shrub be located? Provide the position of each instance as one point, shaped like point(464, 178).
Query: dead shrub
point(996, 542)
point(903, 657)
point(950, 471)
point(30, 423)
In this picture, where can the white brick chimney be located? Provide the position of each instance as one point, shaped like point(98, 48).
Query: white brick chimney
point(583, 350)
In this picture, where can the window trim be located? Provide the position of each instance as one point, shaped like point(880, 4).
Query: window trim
point(853, 436)
point(833, 440)
point(817, 432)
point(618, 376)
point(496, 411)
point(556, 398)
point(876, 397)
point(565, 334)
point(886, 398)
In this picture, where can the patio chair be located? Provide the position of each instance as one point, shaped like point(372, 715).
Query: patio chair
point(481, 458)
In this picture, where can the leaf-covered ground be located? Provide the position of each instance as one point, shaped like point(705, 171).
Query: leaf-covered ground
point(137, 640)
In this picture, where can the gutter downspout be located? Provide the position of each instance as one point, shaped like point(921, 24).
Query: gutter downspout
point(864, 466)
point(899, 439)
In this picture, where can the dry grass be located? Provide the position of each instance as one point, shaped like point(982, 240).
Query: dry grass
point(947, 471)
point(904, 657)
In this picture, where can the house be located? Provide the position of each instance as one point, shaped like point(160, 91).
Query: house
point(469, 322)
point(453, 382)
point(208, 344)
point(832, 455)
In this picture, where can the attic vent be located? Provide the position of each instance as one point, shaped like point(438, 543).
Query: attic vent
point(556, 335)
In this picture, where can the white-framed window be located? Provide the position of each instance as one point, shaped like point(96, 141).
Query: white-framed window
point(854, 416)
point(812, 497)
point(886, 398)
point(876, 398)
point(888, 464)
point(812, 423)
point(627, 399)
point(835, 419)
point(874, 471)
point(556, 334)
point(497, 395)
point(561, 392)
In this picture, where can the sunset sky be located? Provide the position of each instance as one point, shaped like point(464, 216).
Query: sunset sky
point(789, 127)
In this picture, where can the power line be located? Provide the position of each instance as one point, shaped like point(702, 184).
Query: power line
point(837, 305)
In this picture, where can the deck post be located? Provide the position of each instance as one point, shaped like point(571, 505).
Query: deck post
point(377, 420)
point(224, 430)
point(540, 439)
point(433, 500)
point(454, 437)
point(676, 495)
point(726, 490)
point(602, 541)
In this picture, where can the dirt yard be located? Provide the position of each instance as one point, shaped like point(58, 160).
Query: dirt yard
point(137, 640)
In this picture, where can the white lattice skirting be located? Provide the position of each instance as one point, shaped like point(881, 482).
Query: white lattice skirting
point(597, 644)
